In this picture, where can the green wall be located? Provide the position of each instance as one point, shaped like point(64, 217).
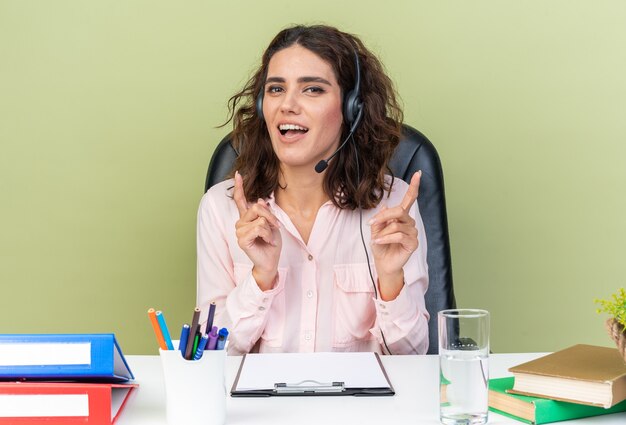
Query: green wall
point(108, 115)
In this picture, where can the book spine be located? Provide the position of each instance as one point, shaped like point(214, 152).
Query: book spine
point(55, 403)
point(509, 415)
point(547, 411)
point(56, 356)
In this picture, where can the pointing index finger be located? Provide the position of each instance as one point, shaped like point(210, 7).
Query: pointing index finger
point(239, 195)
point(412, 191)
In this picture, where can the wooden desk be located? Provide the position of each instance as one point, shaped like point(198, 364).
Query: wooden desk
point(415, 379)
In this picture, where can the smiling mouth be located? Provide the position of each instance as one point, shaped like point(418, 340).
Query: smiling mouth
point(291, 129)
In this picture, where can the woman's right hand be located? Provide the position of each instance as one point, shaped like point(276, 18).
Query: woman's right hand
point(258, 236)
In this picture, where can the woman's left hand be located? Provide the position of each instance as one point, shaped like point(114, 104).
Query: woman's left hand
point(394, 239)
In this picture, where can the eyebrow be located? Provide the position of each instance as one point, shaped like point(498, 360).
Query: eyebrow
point(300, 80)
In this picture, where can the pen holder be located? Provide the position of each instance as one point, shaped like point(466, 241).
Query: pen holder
point(195, 390)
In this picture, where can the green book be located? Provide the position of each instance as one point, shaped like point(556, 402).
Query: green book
point(535, 410)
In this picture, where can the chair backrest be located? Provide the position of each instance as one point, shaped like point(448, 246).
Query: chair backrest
point(415, 152)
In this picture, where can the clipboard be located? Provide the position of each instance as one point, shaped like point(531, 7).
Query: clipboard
point(311, 374)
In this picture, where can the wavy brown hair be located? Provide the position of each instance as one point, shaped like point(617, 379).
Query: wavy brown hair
point(375, 138)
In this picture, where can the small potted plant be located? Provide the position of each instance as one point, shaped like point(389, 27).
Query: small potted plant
point(616, 324)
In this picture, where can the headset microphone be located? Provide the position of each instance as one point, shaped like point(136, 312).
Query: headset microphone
point(323, 164)
point(352, 111)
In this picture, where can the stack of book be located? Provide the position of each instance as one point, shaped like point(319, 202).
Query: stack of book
point(62, 379)
point(578, 382)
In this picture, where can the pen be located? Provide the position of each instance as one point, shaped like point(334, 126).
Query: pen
point(212, 339)
point(192, 333)
point(201, 346)
point(157, 329)
point(209, 322)
point(196, 340)
point(164, 330)
point(182, 343)
point(221, 339)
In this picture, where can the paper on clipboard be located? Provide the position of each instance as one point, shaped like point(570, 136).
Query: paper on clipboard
point(355, 370)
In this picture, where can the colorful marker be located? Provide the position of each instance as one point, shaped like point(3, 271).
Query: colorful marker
point(157, 329)
point(196, 340)
point(212, 339)
point(164, 330)
point(221, 339)
point(184, 334)
point(209, 322)
point(192, 333)
point(201, 346)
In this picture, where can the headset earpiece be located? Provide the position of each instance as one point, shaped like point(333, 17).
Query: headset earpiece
point(352, 105)
point(259, 104)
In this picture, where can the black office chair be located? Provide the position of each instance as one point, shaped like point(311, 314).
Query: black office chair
point(415, 152)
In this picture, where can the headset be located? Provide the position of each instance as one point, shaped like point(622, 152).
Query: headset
point(352, 104)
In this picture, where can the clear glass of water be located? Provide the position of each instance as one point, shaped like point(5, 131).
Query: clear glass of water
point(463, 366)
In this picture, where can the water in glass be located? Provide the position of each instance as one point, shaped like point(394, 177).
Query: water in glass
point(463, 381)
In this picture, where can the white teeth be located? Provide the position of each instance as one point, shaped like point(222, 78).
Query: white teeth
point(285, 127)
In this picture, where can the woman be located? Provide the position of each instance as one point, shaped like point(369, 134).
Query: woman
point(285, 246)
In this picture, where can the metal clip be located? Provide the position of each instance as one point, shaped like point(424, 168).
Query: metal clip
point(309, 386)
